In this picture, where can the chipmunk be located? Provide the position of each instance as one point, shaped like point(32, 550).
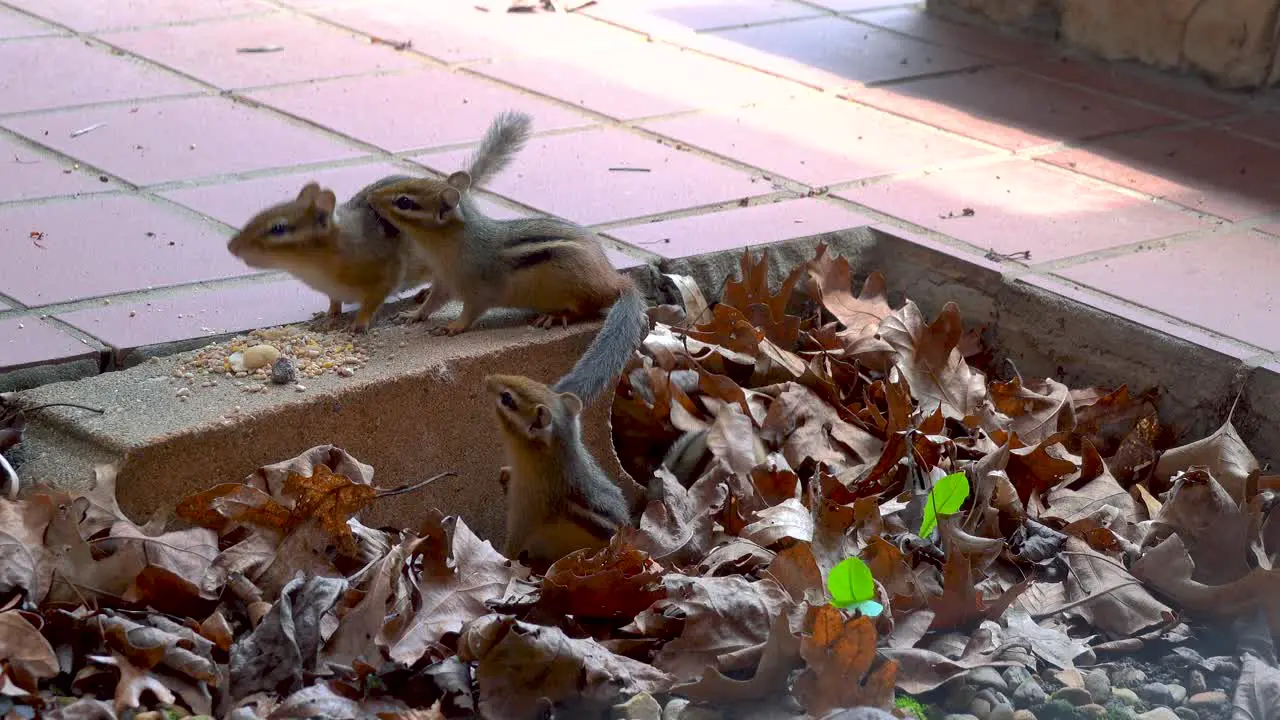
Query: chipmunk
point(554, 267)
point(347, 251)
point(558, 498)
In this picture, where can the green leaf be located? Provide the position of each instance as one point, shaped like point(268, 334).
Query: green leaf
point(850, 582)
point(946, 497)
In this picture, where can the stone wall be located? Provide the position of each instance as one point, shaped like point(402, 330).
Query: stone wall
point(1231, 42)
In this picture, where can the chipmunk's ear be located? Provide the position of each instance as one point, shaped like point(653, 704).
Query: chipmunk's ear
point(450, 198)
point(572, 403)
point(326, 201)
point(541, 419)
point(460, 180)
point(309, 192)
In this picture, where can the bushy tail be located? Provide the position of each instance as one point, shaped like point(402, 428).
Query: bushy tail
point(504, 138)
point(624, 329)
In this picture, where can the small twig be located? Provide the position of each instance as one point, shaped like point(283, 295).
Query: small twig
point(260, 49)
point(62, 404)
point(20, 161)
point(629, 169)
point(393, 44)
point(994, 256)
point(415, 486)
point(87, 130)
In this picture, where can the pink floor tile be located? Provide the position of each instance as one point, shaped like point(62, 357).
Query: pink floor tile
point(640, 80)
point(1225, 283)
point(90, 16)
point(1018, 206)
point(391, 111)
point(569, 176)
point(701, 14)
point(740, 227)
point(31, 173)
point(100, 245)
point(457, 32)
point(1204, 169)
point(837, 52)
point(1012, 109)
point(14, 24)
point(917, 23)
point(198, 313)
point(862, 5)
point(57, 71)
point(235, 202)
point(1189, 96)
point(1271, 228)
point(181, 139)
point(208, 51)
point(1261, 125)
point(819, 142)
point(31, 341)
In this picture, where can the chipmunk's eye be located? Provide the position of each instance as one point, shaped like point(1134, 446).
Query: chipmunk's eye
point(278, 229)
point(508, 399)
point(404, 202)
point(322, 221)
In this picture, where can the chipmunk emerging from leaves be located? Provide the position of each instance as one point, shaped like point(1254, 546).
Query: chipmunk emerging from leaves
point(558, 498)
point(553, 267)
point(347, 251)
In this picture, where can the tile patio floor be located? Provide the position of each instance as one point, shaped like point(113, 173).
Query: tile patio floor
point(134, 137)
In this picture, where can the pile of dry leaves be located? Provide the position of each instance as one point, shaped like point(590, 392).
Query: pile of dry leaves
point(800, 428)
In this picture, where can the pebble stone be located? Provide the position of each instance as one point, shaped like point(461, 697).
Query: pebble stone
point(1125, 695)
point(1129, 677)
point(960, 716)
point(283, 371)
point(987, 677)
point(1186, 713)
point(1016, 675)
point(1024, 715)
point(1098, 685)
point(1029, 693)
point(639, 707)
point(1196, 682)
point(980, 707)
point(673, 708)
point(1003, 711)
point(1157, 694)
point(1092, 710)
point(1208, 700)
point(1178, 693)
point(1074, 695)
point(1160, 713)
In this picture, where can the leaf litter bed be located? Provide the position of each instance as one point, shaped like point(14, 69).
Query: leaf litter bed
point(845, 505)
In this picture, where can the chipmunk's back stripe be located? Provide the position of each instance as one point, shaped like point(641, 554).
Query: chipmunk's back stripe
point(519, 240)
point(536, 257)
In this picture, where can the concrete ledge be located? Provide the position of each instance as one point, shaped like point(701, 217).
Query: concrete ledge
point(417, 409)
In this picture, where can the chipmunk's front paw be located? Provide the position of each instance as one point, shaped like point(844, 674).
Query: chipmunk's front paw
point(548, 321)
point(453, 328)
point(410, 316)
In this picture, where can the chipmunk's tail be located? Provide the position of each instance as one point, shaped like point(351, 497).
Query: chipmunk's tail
point(625, 327)
point(504, 138)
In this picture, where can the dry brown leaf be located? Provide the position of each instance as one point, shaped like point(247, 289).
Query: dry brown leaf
point(1210, 524)
point(921, 670)
point(961, 603)
point(932, 365)
point(1097, 488)
point(225, 505)
point(796, 570)
point(1223, 453)
point(1034, 411)
point(830, 280)
point(458, 575)
point(26, 654)
point(787, 522)
point(722, 616)
point(843, 672)
point(331, 500)
point(1257, 695)
point(780, 655)
point(615, 582)
point(677, 523)
point(804, 427)
point(134, 682)
point(519, 664)
point(732, 439)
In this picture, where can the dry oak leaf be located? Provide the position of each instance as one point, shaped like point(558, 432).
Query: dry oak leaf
point(134, 681)
point(842, 670)
point(796, 570)
point(780, 655)
point(361, 629)
point(830, 281)
point(618, 581)
point(1098, 488)
point(677, 522)
point(286, 642)
point(722, 616)
point(921, 670)
point(961, 603)
point(1035, 410)
point(520, 664)
point(735, 557)
point(223, 506)
point(732, 439)
point(1223, 452)
point(787, 522)
point(1211, 525)
point(1257, 695)
point(26, 564)
point(332, 500)
point(932, 364)
point(79, 576)
point(459, 573)
point(272, 478)
point(803, 426)
point(1167, 568)
point(25, 654)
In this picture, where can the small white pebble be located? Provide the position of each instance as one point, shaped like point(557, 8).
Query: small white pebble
point(345, 371)
point(300, 388)
point(183, 392)
point(21, 326)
